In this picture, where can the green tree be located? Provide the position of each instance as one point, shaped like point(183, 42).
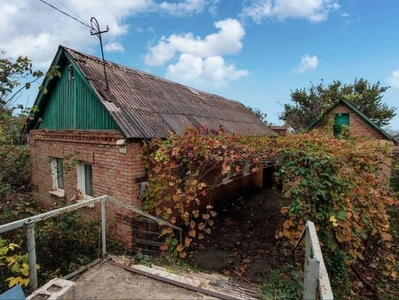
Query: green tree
point(310, 103)
point(262, 116)
point(16, 75)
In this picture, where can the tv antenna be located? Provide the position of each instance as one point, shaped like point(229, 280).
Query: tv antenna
point(95, 30)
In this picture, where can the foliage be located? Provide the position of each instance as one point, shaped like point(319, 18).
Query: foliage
point(181, 178)
point(283, 283)
point(309, 104)
point(262, 116)
point(65, 243)
point(338, 184)
point(13, 265)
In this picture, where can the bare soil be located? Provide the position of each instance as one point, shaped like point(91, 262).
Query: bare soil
point(242, 243)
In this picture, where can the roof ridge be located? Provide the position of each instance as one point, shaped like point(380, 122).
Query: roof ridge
point(111, 64)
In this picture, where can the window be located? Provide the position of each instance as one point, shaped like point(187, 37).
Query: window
point(246, 168)
point(57, 172)
point(340, 121)
point(85, 179)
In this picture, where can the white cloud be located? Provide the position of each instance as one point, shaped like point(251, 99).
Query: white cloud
point(114, 47)
point(393, 79)
point(200, 61)
point(226, 41)
point(34, 29)
point(203, 72)
point(183, 8)
point(307, 63)
point(311, 10)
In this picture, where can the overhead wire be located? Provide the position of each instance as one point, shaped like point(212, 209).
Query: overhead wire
point(66, 14)
point(81, 22)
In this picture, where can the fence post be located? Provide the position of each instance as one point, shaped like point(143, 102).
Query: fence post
point(311, 279)
point(30, 233)
point(103, 233)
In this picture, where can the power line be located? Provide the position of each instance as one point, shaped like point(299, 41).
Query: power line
point(66, 14)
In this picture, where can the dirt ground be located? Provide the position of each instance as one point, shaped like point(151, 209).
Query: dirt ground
point(242, 246)
point(242, 243)
point(110, 282)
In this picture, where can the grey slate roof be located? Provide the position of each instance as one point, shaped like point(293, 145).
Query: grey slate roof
point(147, 106)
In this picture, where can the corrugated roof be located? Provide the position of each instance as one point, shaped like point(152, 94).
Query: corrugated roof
point(147, 106)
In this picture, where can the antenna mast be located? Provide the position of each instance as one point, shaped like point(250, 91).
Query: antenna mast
point(95, 30)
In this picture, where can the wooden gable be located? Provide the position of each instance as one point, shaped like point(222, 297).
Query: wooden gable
point(70, 102)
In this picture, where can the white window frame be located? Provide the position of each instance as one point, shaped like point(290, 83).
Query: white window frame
point(81, 179)
point(55, 186)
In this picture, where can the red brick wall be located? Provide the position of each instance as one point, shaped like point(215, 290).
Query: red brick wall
point(357, 125)
point(114, 173)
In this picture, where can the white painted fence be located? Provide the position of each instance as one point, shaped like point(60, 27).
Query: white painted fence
point(316, 281)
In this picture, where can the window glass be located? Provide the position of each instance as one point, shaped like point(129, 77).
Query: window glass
point(88, 180)
point(57, 171)
point(60, 174)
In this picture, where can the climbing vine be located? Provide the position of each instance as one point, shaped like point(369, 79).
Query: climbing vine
point(339, 184)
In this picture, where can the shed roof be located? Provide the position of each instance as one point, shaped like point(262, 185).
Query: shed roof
point(147, 106)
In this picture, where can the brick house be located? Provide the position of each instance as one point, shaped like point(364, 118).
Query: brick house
point(345, 115)
point(85, 139)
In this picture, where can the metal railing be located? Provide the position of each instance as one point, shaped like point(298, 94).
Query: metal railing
point(316, 281)
point(30, 227)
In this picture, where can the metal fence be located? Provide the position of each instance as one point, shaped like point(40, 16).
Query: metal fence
point(316, 281)
point(30, 227)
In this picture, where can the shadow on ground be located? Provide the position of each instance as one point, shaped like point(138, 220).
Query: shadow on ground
point(242, 243)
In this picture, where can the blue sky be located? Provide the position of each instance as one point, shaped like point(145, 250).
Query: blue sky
point(253, 51)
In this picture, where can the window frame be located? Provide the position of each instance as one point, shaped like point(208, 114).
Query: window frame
point(82, 179)
point(58, 183)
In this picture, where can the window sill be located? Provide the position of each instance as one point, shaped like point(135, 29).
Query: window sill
point(58, 193)
point(226, 181)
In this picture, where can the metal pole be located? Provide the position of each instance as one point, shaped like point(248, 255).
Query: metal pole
point(30, 233)
point(103, 233)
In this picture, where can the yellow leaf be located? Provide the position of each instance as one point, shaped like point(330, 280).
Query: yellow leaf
point(284, 209)
point(200, 236)
point(210, 222)
point(179, 248)
point(333, 220)
point(192, 233)
point(11, 261)
point(394, 274)
point(201, 226)
point(14, 280)
point(192, 224)
point(207, 230)
point(183, 254)
point(213, 213)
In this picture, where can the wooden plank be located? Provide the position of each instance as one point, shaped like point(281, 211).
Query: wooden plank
point(147, 232)
point(145, 242)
